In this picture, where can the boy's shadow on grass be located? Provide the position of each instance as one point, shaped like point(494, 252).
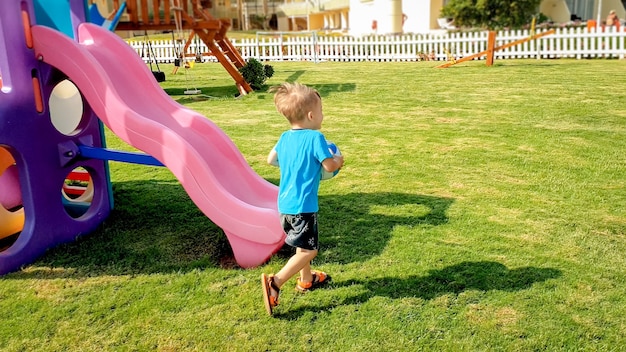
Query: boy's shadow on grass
point(454, 279)
point(156, 228)
point(355, 227)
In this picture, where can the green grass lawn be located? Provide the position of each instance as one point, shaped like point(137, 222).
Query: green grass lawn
point(480, 209)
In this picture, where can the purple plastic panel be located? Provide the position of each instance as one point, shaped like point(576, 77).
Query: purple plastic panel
point(40, 151)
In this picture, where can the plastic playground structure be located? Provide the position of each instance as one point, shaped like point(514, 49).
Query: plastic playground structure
point(61, 81)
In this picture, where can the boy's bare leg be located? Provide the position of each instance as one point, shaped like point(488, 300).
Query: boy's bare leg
point(305, 273)
point(298, 262)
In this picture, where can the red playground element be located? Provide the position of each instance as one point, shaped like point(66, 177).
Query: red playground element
point(76, 183)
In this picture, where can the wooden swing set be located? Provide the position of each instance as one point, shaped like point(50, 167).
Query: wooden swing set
point(181, 15)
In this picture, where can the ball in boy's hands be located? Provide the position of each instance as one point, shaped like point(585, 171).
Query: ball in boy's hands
point(325, 175)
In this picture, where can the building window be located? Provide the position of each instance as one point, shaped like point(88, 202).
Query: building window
point(581, 8)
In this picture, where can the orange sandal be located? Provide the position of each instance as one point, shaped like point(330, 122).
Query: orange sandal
point(270, 300)
point(319, 278)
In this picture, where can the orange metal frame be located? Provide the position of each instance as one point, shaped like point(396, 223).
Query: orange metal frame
point(492, 48)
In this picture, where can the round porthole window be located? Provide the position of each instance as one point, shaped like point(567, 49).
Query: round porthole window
point(11, 209)
point(77, 192)
point(66, 108)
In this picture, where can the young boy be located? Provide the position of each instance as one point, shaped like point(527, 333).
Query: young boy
point(301, 152)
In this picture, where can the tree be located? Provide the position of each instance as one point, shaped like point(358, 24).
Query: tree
point(492, 14)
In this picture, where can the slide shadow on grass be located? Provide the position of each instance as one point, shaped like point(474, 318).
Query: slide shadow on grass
point(455, 279)
point(156, 228)
point(231, 92)
point(207, 92)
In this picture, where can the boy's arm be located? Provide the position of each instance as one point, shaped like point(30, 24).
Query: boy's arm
point(333, 164)
point(272, 158)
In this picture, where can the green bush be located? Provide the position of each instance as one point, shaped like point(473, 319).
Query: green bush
point(255, 73)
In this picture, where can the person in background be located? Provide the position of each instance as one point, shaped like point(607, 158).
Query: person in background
point(612, 19)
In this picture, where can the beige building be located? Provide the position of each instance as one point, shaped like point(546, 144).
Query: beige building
point(421, 16)
point(362, 17)
point(284, 15)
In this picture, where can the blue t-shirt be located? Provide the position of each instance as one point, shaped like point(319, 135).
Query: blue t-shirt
point(300, 155)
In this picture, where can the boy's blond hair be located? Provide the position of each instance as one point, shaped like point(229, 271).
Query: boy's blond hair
point(294, 100)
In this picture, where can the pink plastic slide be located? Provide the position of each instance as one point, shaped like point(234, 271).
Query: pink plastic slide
point(123, 93)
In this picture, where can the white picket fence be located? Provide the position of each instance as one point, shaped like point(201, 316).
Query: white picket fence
point(565, 43)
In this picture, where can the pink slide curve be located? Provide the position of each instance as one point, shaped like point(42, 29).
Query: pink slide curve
point(123, 93)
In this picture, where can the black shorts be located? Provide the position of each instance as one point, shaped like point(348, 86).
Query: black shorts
point(301, 230)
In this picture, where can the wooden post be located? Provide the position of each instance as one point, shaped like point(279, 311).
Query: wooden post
point(491, 45)
point(188, 42)
point(131, 10)
point(156, 15)
point(145, 18)
point(240, 14)
point(167, 12)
